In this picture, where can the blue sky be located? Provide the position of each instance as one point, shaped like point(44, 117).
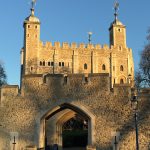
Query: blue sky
point(69, 21)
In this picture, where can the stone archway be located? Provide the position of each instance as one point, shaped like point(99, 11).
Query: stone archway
point(61, 114)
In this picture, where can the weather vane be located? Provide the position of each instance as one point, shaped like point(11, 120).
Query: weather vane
point(116, 8)
point(89, 38)
point(33, 3)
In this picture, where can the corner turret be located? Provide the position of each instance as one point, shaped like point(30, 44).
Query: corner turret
point(31, 42)
point(117, 31)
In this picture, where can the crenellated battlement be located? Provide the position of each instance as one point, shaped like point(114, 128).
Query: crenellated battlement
point(66, 45)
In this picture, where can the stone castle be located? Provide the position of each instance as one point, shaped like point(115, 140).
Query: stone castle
point(115, 58)
point(86, 87)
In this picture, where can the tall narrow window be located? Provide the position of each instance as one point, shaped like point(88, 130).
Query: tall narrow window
point(63, 64)
point(86, 79)
point(43, 63)
point(49, 63)
point(31, 68)
point(121, 68)
point(59, 63)
point(121, 81)
point(85, 66)
point(40, 63)
point(103, 67)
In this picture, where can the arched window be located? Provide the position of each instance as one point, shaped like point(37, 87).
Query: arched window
point(121, 68)
point(43, 63)
point(40, 63)
point(103, 67)
point(31, 68)
point(49, 63)
point(121, 81)
point(85, 66)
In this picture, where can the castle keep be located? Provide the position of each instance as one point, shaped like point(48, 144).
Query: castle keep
point(73, 96)
point(115, 58)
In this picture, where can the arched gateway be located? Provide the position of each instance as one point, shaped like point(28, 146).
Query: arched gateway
point(53, 122)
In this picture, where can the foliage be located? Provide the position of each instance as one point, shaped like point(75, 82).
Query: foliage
point(142, 77)
point(2, 75)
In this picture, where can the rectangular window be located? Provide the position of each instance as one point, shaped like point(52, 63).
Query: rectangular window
point(59, 63)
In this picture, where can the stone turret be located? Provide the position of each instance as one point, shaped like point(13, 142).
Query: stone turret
point(31, 43)
point(117, 31)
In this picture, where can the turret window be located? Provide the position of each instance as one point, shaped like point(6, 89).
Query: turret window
point(103, 67)
point(121, 68)
point(35, 27)
point(120, 48)
point(85, 66)
point(28, 26)
point(119, 30)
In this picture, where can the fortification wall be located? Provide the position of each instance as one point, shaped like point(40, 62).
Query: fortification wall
point(112, 110)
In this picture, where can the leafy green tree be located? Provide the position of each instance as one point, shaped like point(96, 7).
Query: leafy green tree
point(2, 75)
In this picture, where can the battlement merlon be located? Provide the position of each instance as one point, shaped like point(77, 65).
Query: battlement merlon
point(73, 45)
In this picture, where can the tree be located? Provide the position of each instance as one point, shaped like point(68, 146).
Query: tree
point(2, 75)
point(142, 77)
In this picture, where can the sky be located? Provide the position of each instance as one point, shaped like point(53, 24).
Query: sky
point(69, 21)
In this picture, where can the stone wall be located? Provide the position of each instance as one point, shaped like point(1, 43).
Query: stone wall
point(112, 109)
